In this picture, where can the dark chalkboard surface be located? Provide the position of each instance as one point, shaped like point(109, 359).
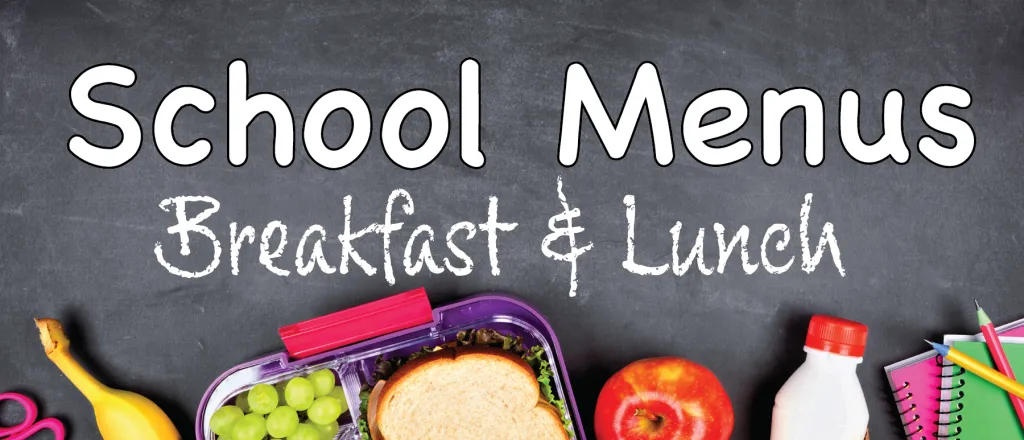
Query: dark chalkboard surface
point(918, 241)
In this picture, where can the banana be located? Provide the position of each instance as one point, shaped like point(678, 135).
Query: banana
point(120, 415)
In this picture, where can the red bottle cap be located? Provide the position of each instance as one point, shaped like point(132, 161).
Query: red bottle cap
point(837, 335)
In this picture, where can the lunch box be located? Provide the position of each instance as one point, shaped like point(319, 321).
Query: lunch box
point(349, 343)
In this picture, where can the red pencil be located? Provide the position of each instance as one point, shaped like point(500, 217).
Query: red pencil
point(1002, 363)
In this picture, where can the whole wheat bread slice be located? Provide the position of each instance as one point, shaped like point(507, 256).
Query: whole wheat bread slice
point(466, 393)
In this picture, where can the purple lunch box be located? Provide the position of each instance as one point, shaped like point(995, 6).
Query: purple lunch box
point(353, 362)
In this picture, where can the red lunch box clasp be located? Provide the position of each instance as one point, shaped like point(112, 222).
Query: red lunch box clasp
point(388, 315)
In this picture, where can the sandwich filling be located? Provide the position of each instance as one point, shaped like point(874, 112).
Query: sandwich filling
point(534, 356)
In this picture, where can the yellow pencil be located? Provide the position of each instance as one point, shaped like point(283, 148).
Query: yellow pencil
point(970, 364)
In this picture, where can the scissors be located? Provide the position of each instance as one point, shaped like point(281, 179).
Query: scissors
point(29, 426)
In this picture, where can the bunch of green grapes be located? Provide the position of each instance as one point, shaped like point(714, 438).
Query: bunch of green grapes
point(303, 408)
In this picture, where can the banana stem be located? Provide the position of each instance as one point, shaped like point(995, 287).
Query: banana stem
point(56, 344)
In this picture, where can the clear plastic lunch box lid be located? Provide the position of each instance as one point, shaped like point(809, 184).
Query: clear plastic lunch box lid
point(349, 343)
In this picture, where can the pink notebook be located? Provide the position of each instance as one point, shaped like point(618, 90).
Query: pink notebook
point(916, 383)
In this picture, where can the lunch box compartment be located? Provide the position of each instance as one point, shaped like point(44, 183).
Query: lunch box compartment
point(353, 364)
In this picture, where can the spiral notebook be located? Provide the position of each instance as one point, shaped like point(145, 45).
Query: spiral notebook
point(916, 383)
point(977, 409)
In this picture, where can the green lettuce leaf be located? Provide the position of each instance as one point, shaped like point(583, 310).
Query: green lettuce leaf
point(364, 400)
point(364, 429)
point(536, 357)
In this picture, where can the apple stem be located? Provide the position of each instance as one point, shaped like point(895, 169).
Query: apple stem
point(647, 415)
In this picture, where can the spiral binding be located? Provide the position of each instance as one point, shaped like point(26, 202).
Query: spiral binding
point(952, 430)
point(905, 414)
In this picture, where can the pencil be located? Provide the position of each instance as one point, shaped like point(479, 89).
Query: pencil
point(999, 356)
point(981, 370)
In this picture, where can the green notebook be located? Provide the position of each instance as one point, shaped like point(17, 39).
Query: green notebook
point(987, 413)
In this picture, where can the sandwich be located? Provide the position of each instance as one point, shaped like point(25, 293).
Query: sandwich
point(481, 385)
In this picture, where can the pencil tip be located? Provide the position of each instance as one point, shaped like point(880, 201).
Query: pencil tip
point(976, 304)
point(943, 350)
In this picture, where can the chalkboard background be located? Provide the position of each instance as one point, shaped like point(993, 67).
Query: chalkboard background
point(918, 241)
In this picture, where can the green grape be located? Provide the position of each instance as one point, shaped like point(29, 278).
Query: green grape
point(262, 399)
point(250, 427)
point(305, 431)
point(324, 410)
point(323, 382)
point(242, 402)
point(327, 432)
point(282, 421)
point(299, 393)
point(280, 393)
point(224, 418)
point(338, 393)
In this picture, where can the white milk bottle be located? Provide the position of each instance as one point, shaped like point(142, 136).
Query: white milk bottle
point(823, 400)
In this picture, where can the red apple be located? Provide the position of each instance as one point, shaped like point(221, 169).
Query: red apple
point(663, 399)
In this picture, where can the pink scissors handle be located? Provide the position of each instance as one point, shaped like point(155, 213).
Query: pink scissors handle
point(29, 426)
